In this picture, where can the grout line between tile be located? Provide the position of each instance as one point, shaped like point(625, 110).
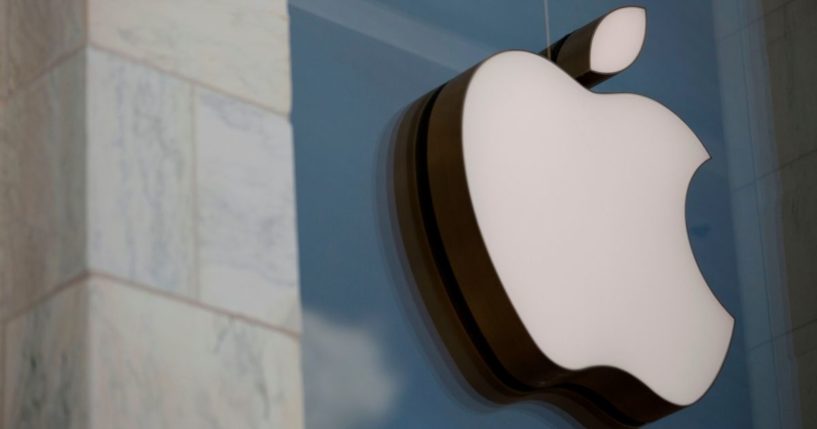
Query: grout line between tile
point(188, 79)
point(28, 83)
point(797, 328)
point(775, 337)
point(779, 168)
point(753, 182)
point(743, 186)
point(192, 302)
point(45, 296)
point(91, 274)
point(762, 17)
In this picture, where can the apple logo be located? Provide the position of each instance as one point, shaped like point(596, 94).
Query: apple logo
point(558, 215)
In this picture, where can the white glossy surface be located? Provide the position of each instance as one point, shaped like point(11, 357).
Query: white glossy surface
point(584, 222)
point(618, 40)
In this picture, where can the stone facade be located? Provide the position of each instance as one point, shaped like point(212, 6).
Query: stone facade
point(148, 250)
point(767, 62)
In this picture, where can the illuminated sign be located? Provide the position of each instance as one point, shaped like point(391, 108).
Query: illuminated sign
point(555, 217)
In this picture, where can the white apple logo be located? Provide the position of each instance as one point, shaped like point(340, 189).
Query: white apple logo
point(573, 204)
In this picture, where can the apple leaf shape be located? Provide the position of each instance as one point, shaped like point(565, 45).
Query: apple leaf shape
point(560, 214)
point(602, 48)
point(617, 40)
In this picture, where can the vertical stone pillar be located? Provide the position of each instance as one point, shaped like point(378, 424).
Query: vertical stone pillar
point(767, 63)
point(148, 256)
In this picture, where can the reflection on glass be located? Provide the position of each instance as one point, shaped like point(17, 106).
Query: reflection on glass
point(739, 73)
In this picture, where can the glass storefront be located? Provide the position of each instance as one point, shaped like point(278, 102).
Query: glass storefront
point(738, 72)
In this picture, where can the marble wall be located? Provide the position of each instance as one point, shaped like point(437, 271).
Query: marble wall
point(767, 66)
point(148, 249)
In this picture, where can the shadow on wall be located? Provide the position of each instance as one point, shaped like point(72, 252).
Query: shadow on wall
point(352, 78)
point(348, 89)
point(457, 363)
point(765, 54)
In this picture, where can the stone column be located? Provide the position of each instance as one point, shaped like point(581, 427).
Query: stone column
point(767, 63)
point(148, 256)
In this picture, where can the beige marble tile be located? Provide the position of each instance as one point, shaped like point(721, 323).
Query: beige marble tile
point(140, 174)
point(45, 370)
point(246, 210)
point(807, 368)
point(2, 372)
point(792, 66)
point(3, 50)
point(8, 169)
point(158, 363)
point(7, 268)
point(799, 222)
point(758, 103)
point(763, 387)
point(788, 211)
point(41, 33)
point(795, 354)
point(735, 112)
point(7, 162)
point(773, 25)
point(726, 17)
point(42, 183)
point(764, 6)
point(238, 46)
point(769, 197)
point(804, 341)
point(102, 355)
point(751, 276)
